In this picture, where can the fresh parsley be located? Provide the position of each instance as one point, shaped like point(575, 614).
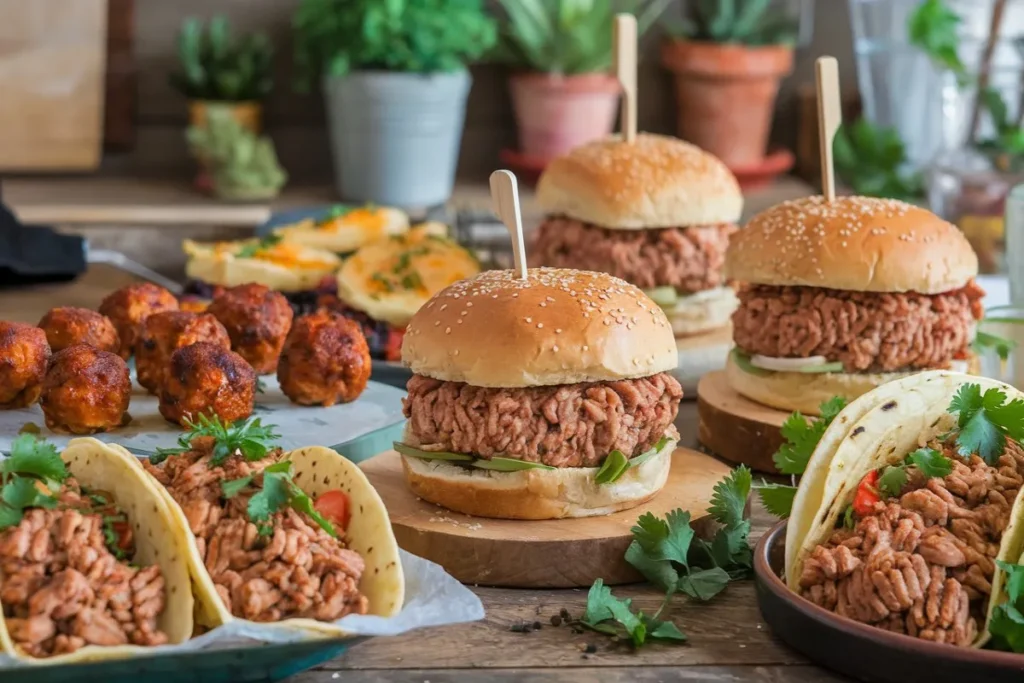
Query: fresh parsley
point(931, 462)
point(986, 420)
point(802, 436)
point(31, 455)
point(777, 498)
point(279, 491)
point(1007, 624)
point(255, 248)
point(249, 437)
point(892, 480)
point(235, 486)
point(29, 476)
point(669, 555)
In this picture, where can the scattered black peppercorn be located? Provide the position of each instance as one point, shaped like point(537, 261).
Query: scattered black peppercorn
point(590, 649)
point(556, 620)
point(537, 626)
point(565, 615)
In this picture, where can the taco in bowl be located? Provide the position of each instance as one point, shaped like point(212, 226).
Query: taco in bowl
point(92, 565)
point(297, 538)
point(920, 502)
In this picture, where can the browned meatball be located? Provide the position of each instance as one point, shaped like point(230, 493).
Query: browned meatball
point(66, 326)
point(24, 353)
point(166, 332)
point(257, 320)
point(129, 306)
point(325, 360)
point(86, 391)
point(207, 379)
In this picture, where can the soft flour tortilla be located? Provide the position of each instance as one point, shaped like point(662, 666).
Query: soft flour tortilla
point(910, 412)
point(315, 470)
point(157, 541)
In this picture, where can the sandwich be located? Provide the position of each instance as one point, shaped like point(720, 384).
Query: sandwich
point(384, 283)
point(840, 297)
point(657, 213)
point(299, 539)
point(343, 229)
point(92, 563)
point(910, 510)
point(539, 398)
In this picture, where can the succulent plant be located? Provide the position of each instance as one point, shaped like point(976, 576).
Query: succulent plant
point(217, 66)
point(243, 165)
point(745, 22)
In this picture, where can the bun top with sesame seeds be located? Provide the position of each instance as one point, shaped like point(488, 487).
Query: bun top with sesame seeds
point(555, 327)
point(655, 182)
point(859, 244)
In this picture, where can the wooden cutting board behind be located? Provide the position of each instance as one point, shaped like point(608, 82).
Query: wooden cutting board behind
point(52, 62)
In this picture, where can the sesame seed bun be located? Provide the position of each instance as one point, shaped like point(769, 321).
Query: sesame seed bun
point(854, 243)
point(655, 182)
point(555, 327)
point(535, 493)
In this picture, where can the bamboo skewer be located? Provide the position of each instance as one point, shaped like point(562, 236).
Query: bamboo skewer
point(505, 195)
point(830, 116)
point(625, 37)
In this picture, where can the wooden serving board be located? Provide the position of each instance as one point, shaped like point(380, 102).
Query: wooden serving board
point(736, 428)
point(557, 553)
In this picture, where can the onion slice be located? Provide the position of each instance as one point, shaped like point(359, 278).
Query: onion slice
point(786, 364)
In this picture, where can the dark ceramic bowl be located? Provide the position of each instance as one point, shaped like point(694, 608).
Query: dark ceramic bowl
point(864, 652)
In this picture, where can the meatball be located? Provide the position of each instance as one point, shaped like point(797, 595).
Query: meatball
point(24, 353)
point(257, 320)
point(205, 378)
point(66, 326)
point(166, 332)
point(129, 306)
point(325, 360)
point(86, 390)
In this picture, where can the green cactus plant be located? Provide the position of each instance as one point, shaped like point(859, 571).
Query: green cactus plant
point(242, 165)
point(216, 66)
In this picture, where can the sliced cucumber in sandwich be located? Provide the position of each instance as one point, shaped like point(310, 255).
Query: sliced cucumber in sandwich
point(509, 465)
point(666, 297)
point(405, 449)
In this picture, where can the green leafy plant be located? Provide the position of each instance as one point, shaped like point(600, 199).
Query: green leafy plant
point(871, 159)
point(567, 36)
point(334, 37)
point(216, 66)
point(243, 164)
point(747, 22)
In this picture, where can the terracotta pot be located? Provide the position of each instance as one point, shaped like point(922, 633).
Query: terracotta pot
point(249, 114)
point(556, 113)
point(725, 95)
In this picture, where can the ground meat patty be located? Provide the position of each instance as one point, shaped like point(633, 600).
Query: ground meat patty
point(572, 425)
point(866, 331)
point(687, 258)
point(922, 563)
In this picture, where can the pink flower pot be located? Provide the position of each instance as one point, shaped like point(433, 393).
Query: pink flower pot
point(556, 113)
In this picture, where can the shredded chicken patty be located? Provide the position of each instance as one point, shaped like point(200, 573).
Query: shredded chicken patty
point(298, 571)
point(688, 258)
point(866, 331)
point(570, 425)
point(63, 589)
point(923, 563)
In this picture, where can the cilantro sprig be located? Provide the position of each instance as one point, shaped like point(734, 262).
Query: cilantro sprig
point(249, 437)
point(279, 491)
point(1007, 625)
point(669, 555)
point(802, 437)
point(29, 477)
point(930, 462)
point(255, 248)
point(986, 420)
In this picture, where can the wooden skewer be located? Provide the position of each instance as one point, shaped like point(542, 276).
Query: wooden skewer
point(625, 70)
point(505, 195)
point(830, 116)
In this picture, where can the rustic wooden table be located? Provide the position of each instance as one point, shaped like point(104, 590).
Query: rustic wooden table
point(728, 641)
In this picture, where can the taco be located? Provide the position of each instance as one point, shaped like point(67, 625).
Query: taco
point(300, 538)
point(92, 565)
point(920, 499)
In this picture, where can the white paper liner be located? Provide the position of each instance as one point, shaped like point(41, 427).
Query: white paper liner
point(432, 598)
point(378, 407)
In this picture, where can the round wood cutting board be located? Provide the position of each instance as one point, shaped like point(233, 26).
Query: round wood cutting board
point(556, 553)
point(736, 428)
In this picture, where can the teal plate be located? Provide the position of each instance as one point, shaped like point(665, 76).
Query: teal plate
point(259, 663)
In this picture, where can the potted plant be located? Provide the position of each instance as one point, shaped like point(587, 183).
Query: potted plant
point(218, 71)
point(242, 164)
point(728, 57)
point(562, 92)
point(395, 83)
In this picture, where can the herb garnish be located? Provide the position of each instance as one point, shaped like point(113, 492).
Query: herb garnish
point(987, 340)
point(279, 491)
point(1007, 625)
point(930, 462)
point(111, 538)
point(670, 556)
point(985, 420)
point(255, 248)
point(32, 462)
point(248, 437)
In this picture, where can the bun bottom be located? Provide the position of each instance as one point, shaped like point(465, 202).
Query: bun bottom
point(805, 392)
point(702, 312)
point(535, 494)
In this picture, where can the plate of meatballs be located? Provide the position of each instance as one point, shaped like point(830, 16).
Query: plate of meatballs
point(143, 366)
